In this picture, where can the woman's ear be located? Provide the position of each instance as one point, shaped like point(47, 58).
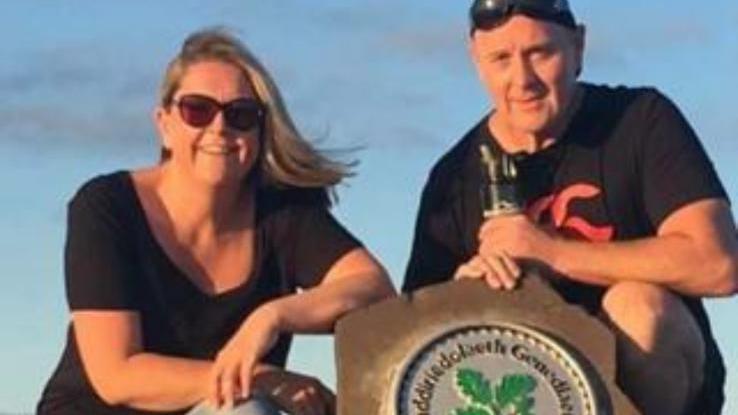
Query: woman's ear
point(163, 122)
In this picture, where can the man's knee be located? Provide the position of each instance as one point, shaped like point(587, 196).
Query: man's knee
point(649, 314)
point(630, 303)
point(652, 323)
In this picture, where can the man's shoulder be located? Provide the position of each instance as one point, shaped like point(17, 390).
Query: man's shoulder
point(452, 163)
point(609, 97)
point(618, 115)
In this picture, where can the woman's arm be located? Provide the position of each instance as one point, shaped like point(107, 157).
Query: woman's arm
point(121, 373)
point(354, 280)
point(100, 260)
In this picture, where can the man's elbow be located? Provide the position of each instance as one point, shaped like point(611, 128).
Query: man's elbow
point(726, 273)
point(110, 391)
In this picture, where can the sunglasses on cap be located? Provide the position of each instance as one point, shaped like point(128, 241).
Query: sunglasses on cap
point(486, 14)
point(242, 114)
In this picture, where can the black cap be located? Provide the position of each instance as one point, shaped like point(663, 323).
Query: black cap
point(486, 14)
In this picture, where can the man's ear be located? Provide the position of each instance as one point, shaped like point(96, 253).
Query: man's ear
point(473, 49)
point(580, 43)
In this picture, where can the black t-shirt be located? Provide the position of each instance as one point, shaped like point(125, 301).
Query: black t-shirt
point(113, 262)
point(627, 160)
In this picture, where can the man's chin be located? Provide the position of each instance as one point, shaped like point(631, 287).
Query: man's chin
point(530, 126)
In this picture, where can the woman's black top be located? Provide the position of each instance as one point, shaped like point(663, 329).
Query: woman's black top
point(114, 262)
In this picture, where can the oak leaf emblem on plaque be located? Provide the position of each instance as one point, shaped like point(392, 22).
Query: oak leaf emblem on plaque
point(513, 395)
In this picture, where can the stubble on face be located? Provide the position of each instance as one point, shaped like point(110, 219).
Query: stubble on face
point(529, 67)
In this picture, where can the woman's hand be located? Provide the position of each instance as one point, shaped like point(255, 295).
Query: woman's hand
point(294, 393)
point(231, 375)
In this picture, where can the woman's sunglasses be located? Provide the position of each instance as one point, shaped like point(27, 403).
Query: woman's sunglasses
point(242, 114)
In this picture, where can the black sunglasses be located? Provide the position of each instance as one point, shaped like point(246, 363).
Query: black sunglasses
point(242, 114)
point(486, 14)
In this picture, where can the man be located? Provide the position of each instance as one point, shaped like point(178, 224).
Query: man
point(622, 205)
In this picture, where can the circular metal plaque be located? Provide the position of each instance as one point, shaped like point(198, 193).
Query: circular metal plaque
point(498, 369)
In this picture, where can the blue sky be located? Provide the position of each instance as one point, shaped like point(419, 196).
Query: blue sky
point(78, 81)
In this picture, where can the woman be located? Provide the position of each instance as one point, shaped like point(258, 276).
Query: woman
point(182, 278)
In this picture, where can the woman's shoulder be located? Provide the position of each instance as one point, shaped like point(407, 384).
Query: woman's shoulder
point(104, 190)
point(281, 210)
point(272, 200)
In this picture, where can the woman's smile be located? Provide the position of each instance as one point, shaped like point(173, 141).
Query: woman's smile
point(217, 149)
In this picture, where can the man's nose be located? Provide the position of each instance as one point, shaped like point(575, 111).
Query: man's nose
point(523, 72)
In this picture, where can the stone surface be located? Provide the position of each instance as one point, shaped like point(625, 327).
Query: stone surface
point(375, 345)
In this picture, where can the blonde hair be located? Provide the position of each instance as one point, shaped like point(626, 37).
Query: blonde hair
point(287, 159)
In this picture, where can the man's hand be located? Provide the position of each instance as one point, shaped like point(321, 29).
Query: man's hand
point(497, 269)
point(504, 242)
point(518, 237)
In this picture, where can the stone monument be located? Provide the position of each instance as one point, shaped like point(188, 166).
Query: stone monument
point(459, 349)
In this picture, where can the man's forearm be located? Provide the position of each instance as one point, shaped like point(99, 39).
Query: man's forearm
point(673, 261)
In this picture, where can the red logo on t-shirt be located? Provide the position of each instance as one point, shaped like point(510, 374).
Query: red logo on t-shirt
point(558, 207)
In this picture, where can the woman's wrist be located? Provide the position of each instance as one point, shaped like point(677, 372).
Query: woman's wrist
point(271, 315)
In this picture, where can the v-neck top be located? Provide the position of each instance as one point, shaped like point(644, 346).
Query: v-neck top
point(114, 262)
